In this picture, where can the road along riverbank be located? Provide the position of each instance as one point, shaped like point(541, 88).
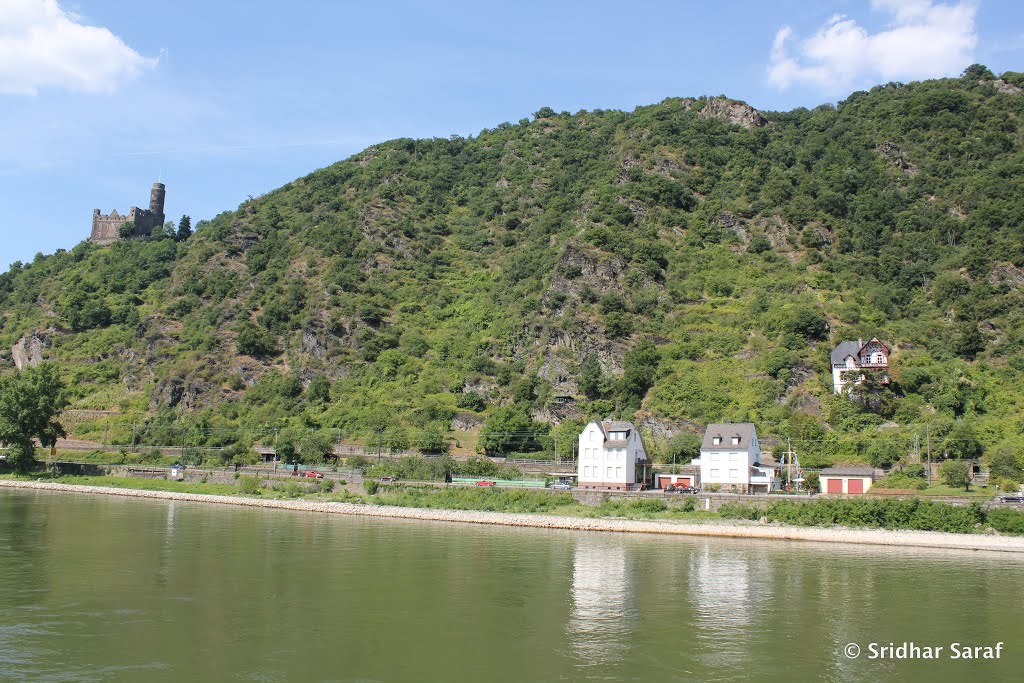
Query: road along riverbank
point(911, 539)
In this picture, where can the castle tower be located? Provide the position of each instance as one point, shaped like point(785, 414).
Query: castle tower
point(106, 228)
point(156, 203)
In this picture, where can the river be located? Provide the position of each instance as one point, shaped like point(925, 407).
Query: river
point(99, 588)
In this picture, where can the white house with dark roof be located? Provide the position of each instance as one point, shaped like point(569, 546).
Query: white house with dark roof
point(730, 456)
point(852, 359)
point(611, 456)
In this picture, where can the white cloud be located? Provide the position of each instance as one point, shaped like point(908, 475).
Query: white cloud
point(42, 46)
point(923, 40)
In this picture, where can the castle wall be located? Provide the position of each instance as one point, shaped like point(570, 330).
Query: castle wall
point(105, 227)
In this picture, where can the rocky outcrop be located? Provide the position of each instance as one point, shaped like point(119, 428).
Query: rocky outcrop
point(1002, 86)
point(731, 111)
point(28, 352)
point(894, 155)
point(172, 391)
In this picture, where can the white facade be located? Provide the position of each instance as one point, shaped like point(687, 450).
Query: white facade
point(610, 456)
point(728, 455)
point(849, 357)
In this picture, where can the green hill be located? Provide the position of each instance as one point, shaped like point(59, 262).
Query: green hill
point(687, 262)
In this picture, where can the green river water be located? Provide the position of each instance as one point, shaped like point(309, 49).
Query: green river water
point(98, 588)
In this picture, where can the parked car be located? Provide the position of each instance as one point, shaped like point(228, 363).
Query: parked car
point(688, 489)
point(485, 483)
point(670, 488)
point(561, 486)
point(388, 480)
point(312, 475)
point(1011, 499)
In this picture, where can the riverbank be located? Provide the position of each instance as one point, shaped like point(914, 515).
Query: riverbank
point(915, 539)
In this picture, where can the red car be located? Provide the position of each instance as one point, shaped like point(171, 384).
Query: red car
point(485, 483)
point(312, 475)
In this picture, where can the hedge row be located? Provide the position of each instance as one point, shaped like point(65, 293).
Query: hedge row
point(893, 513)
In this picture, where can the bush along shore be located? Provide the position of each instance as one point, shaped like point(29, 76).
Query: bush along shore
point(910, 522)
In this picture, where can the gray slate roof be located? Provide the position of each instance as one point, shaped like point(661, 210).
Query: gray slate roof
point(845, 348)
point(727, 430)
point(849, 471)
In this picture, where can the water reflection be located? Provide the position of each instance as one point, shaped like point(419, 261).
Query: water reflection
point(728, 588)
point(601, 622)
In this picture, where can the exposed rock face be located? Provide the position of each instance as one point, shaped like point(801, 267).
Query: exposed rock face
point(28, 352)
point(1002, 86)
point(733, 112)
point(174, 390)
point(312, 344)
point(1007, 273)
point(466, 421)
point(662, 430)
point(895, 156)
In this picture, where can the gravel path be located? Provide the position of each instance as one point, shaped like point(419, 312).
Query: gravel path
point(919, 539)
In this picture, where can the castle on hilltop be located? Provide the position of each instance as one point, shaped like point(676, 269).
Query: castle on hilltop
point(106, 227)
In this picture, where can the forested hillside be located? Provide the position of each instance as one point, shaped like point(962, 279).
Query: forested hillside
point(688, 262)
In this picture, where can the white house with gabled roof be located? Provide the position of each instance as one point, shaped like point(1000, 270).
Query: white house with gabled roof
point(730, 457)
point(851, 360)
point(611, 456)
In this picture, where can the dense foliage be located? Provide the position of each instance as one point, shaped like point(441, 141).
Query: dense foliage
point(30, 402)
point(890, 513)
point(665, 264)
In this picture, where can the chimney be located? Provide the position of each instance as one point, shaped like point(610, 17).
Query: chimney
point(860, 342)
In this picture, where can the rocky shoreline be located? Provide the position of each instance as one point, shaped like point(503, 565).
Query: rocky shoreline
point(878, 537)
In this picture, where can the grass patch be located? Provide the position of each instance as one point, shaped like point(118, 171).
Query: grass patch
point(486, 499)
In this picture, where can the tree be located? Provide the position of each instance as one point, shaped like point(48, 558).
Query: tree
point(639, 370)
point(319, 390)
point(126, 230)
point(316, 446)
point(184, 229)
point(1006, 465)
point(30, 401)
point(956, 473)
point(591, 378)
point(510, 428)
point(962, 443)
point(977, 72)
point(682, 448)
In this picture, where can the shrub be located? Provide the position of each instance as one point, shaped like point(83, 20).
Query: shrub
point(955, 473)
point(739, 511)
point(249, 486)
point(689, 504)
point(1006, 520)
point(372, 486)
point(326, 485)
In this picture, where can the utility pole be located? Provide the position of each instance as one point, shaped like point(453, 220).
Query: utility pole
point(928, 446)
point(133, 436)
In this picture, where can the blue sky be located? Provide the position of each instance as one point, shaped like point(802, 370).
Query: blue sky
point(223, 100)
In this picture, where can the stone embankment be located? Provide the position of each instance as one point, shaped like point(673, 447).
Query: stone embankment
point(911, 539)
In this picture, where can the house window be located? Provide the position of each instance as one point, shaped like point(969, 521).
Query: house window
point(586, 471)
point(716, 441)
point(714, 474)
point(735, 441)
point(715, 456)
point(618, 473)
point(734, 456)
point(734, 474)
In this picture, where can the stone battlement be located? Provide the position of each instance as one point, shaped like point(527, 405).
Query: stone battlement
point(106, 228)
